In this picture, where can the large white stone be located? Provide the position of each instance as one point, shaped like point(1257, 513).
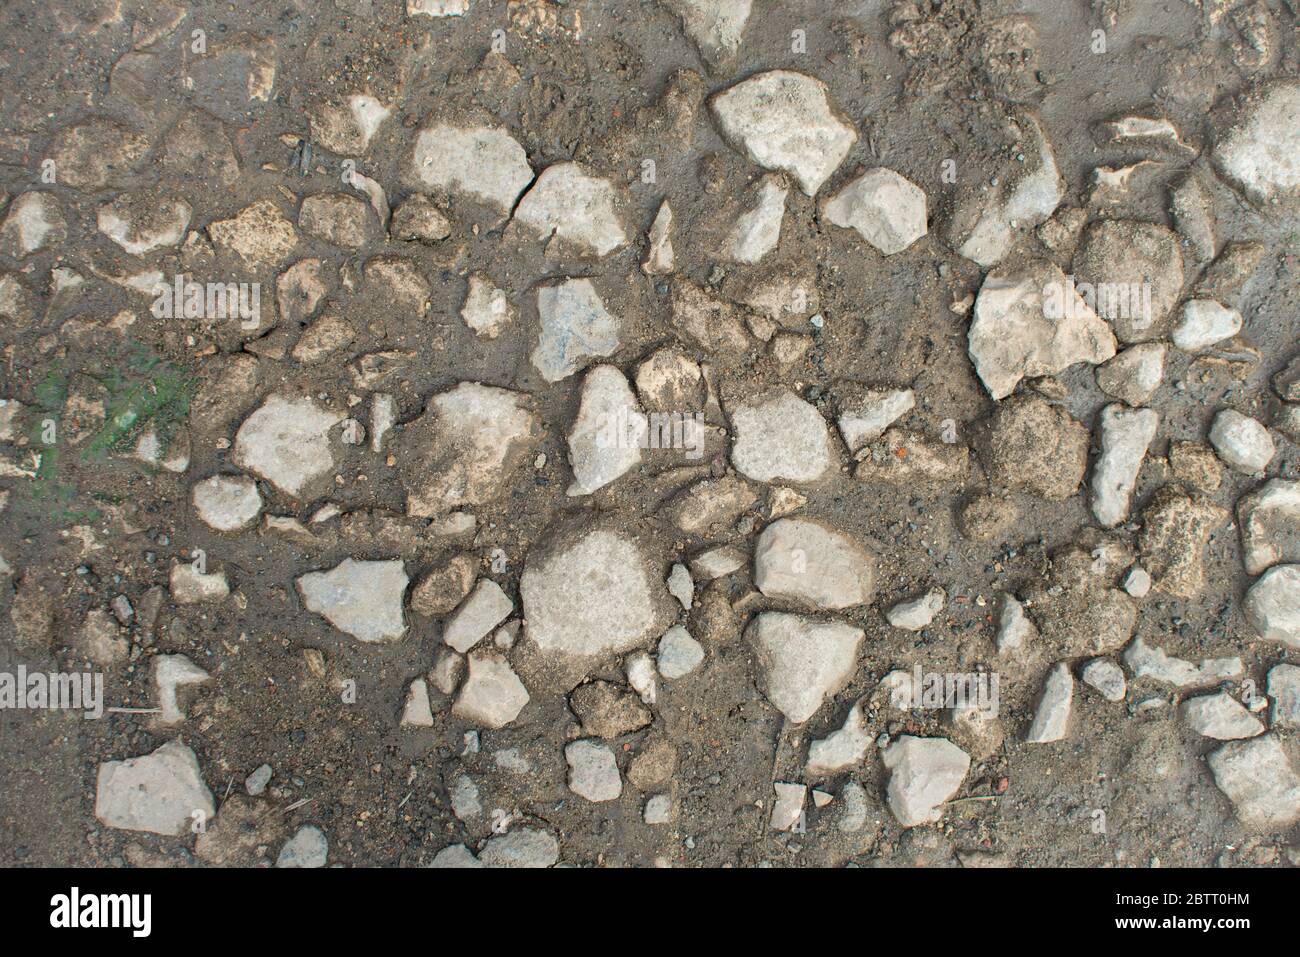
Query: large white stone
point(780, 437)
point(804, 660)
point(363, 599)
point(1257, 777)
point(576, 208)
point(1269, 519)
point(492, 694)
point(758, 230)
point(923, 774)
point(784, 121)
point(1242, 442)
point(1018, 332)
point(1260, 154)
point(227, 503)
point(807, 562)
point(886, 209)
point(483, 162)
point(485, 608)
point(159, 792)
point(1125, 436)
point(286, 441)
point(575, 327)
point(606, 439)
point(1273, 605)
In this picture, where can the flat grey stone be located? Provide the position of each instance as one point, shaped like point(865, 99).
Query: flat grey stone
point(286, 441)
point(780, 437)
point(1273, 605)
point(679, 653)
point(1269, 518)
point(806, 561)
point(1243, 443)
point(363, 599)
point(575, 328)
point(576, 208)
point(485, 608)
point(804, 660)
point(1220, 716)
point(593, 773)
point(884, 208)
point(483, 162)
point(1125, 437)
point(522, 847)
point(307, 848)
point(1258, 778)
point(492, 694)
point(923, 774)
point(158, 792)
point(1052, 718)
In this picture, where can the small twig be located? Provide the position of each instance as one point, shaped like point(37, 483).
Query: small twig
point(981, 797)
point(297, 804)
point(134, 710)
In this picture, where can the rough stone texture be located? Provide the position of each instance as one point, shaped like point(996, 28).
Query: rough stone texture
point(574, 207)
point(807, 562)
point(363, 598)
point(884, 208)
point(1107, 677)
point(1134, 375)
point(1125, 436)
point(783, 120)
point(715, 26)
point(1220, 716)
point(758, 230)
point(522, 847)
point(1052, 718)
point(804, 660)
point(780, 437)
point(1176, 527)
point(468, 446)
point(286, 441)
point(1036, 447)
point(590, 596)
point(1284, 690)
point(923, 774)
point(227, 503)
point(679, 653)
point(608, 433)
point(865, 417)
point(1273, 605)
point(1011, 337)
point(307, 848)
point(593, 773)
point(480, 161)
point(157, 792)
point(259, 234)
point(1147, 661)
point(1269, 519)
point(34, 222)
point(607, 710)
point(916, 613)
point(1260, 152)
point(575, 327)
point(1117, 256)
point(841, 749)
point(485, 608)
point(445, 587)
point(1203, 323)
point(1258, 779)
point(492, 694)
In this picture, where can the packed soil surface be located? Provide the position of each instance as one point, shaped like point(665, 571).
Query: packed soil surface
point(122, 412)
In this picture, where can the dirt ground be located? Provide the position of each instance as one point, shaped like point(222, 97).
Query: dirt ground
point(589, 80)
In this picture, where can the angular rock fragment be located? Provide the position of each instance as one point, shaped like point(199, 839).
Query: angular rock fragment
point(678, 654)
point(492, 694)
point(347, 126)
point(523, 847)
point(484, 162)
point(1257, 777)
point(1273, 605)
point(1016, 633)
point(34, 222)
point(804, 660)
point(758, 230)
point(361, 598)
point(715, 326)
point(916, 613)
point(1107, 677)
point(1029, 322)
point(865, 417)
point(189, 586)
point(259, 234)
point(780, 437)
point(1203, 323)
point(416, 712)
point(162, 792)
point(783, 120)
point(227, 503)
point(787, 809)
point(923, 774)
point(1125, 436)
point(487, 310)
point(466, 449)
point(171, 672)
point(810, 563)
point(485, 608)
point(608, 433)
point(1052, 718)
point(574, 207)
point(1260, 152)
point(1034, 446)
point(593, 773)
point(575, 327)
point(1134, 375)
point(912, 460)
point(1176, 527)
point(884, 208)
point(286, 442)
point(715, 26)
point(607, 710)
point(96, 153)
point(1269, 518)
point(841, 749)
point(307, 848)
point(659, 257)
point(141, 222)
point(1148, 661)
point(1220, 716)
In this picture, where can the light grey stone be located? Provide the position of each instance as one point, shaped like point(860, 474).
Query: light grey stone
point(841, 749)
point(1269, 518)
point(681, 586)
point(1220, 716)
point(1260, 152)
point(780, 437)
point(171, 672)
point(227, 503)
point(593, 772)
point(363, 599)
point(190, 586)
point(522, 847)
point(1273, 605)
point(485, 608)
point(916, 613)
point(307, 848)
point(1125, 436)
point(1258, 779)
point(286, 441)
point(787, 809)
point(1052, 718)
point(256, 782)
point(758, 230)
point(923, 774)
point(570, 205)
point(1284, 690)
point(158, 792)
point(679, 653)
point(1205, 322)
point(417, 712)
point(492, 694)
point(1134, 374)
point(884, 208)
point(804, 661)
point(575, 327)
point(1148, 661)
point(608, 433)
point(807, 562)
point(1241, 442)
point(658, 810)
point(483, 162)
point(783, 120)
point(1107, 677)
point(866, 418)
point(1015, 630)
